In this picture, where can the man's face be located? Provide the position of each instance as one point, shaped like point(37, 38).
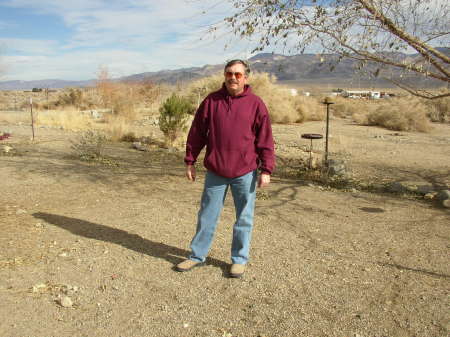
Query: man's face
point(235, 79)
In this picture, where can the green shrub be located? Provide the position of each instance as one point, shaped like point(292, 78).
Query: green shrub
point(90, 145)
point(173, 117)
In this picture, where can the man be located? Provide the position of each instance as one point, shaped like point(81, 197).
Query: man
point(234, 125)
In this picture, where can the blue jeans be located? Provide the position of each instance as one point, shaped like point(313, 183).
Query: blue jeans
point(244, 193)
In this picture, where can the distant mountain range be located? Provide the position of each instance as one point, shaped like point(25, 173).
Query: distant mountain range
point(301, 69)
point(49, 83)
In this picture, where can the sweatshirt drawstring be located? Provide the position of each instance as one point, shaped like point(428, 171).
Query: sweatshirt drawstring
point(230, 101)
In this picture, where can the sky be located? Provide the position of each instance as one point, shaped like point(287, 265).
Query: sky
point(73, 39)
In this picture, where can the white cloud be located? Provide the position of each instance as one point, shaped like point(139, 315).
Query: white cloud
point(85, 64)
point(126, 36)
point(101, 22)
point(73, 66)
point(28, 46)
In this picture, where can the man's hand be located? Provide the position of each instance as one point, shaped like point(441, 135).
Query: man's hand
point(190, 172)
point(263, 180)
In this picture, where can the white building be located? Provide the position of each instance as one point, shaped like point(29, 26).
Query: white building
point(361, 94)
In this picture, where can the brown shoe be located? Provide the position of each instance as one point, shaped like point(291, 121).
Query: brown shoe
point(237, 270)
point(187, 265)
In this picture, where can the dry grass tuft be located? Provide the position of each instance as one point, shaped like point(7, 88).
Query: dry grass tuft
point(114, 127)
point(68, 118)
point(15, 117)
point(308, 109)
point(197, 90)
point(127, 99)
point(404, 117)
point(79, 99)
point(283, 108)
point(117, 129)
point(399, 114)
point(129, 137)
point(439, 109)
point(345, 107)
point(119, 103)
point(280, 103)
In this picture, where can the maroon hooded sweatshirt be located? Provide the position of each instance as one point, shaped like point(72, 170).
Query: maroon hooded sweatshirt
point(236, 131)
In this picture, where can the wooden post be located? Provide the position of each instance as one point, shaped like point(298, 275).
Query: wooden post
point(32, 119)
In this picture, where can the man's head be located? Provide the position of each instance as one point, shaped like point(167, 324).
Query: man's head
point(236, 73)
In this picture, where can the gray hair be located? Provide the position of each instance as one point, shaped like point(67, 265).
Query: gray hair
point(238, 61)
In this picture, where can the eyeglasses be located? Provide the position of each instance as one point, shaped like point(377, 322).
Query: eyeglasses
point(237, 75)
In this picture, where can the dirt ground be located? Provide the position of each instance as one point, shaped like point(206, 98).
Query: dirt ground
point(88, 249)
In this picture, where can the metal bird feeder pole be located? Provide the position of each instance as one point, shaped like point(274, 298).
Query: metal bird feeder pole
point(328, 103)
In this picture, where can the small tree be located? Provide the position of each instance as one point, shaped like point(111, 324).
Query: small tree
point(105, 86)
point(173, 117)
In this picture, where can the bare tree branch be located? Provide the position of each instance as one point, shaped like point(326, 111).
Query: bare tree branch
point(374, 32)
point(416, 92)
point(424, 49)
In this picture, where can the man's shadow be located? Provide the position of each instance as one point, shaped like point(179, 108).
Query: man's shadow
point(134, 242)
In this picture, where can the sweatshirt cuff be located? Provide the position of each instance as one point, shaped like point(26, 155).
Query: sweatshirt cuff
point(265, 171)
